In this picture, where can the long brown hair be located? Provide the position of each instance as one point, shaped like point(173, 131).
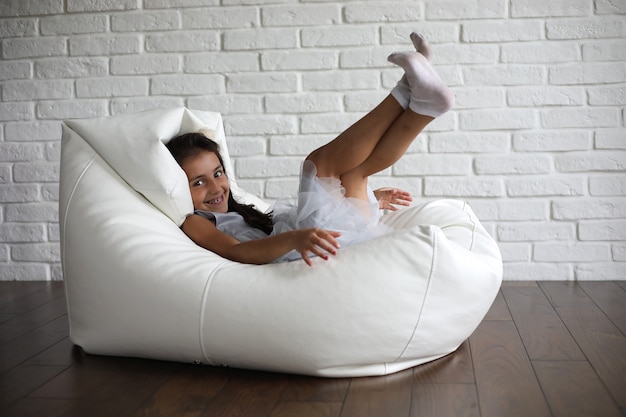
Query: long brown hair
point(189, 145)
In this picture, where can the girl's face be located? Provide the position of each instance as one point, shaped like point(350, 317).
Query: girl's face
point(207, 182)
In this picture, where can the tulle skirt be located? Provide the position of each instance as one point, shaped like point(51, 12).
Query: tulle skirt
point(322, 204)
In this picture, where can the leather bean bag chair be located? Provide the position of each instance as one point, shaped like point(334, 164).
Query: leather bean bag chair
point(137, 286)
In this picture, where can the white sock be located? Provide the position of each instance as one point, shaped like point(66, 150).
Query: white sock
point(429, 96)
point(402, 91)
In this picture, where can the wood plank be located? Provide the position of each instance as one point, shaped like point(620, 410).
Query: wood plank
point(21, 380)
point(44, 293)
point(455, 368)
point(12, 290)
point(37, 407)
point(541, 329)
point(602, 343)
point(610, 297)
point(498, 310)
point(505, 379)
point(63, 353)
point(572, 388)
point(388, 395)
point(306, 409)
point(248, 393)
point(30, 320)
point(437, 400)
point(30, 344)
point(305, 388)
point(186, 393)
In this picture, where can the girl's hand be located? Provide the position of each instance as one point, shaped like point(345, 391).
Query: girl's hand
point(389, 197)
point(316, 241)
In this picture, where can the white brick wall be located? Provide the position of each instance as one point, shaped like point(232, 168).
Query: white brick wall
point(536, 142)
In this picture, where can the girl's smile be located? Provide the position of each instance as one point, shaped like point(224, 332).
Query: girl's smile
point(208, 182)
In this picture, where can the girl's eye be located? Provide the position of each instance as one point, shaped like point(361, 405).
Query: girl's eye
point(198, 183)
point(218, 174)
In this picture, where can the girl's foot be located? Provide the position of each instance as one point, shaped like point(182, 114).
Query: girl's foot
point(402, 91)
point(430, 96)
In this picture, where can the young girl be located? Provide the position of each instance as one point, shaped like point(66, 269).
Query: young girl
point(335, 205)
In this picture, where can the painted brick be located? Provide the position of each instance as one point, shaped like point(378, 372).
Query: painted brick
point(267, 167)
point(228, 103)
point(515, 252)
point(14, 70)
point(183, 42)
point(587, 28)
point(165, 4)
point(220, 17)
point(506, 119)
point(539, 52)
point(545, 186)
point(597, 208)
point(32, 212)
point(136, 105)
point(18, 193)
point(435, 31)
point(502, 31)
point(71, 109)
point(256, 39)
point(610, 139)
point(568, 118)
point(14, 152)
point(541, 8)
point(338, 36)
point(585, 162)
point(461, 10)
point(610, 6)
point(550, 141)
point(538, 271)
point(282, 188)
point(72, 68)
point(30, 8)
point(111, 87)
point(33, 131)
point(619, 252)
point(304, 103)
point(36, 252)
point(607, 96)
point(571, 252)
point(467, 54)
point(100, 6)
point(260, 125)
point(73, 24)
point(340, 80)
point(362, 101)
point(614, 185)
point(138, 65)
point(478, 97)
point(299, 60)
point(512, 164)
point(371, 57)
point(104, 45)
point(588, 73)
point(17, 232)
point(145, 21)
point(187, 84)
point(33, 47)
point(37, 90)
point(301, 15)
point(220, 62)
point(300, 145)
point(259, 83)
point(387, 11)
point(536, 232)
point(601, 272)
point(605, 50)
point(246, 146)
point(504, 75)
point(327, 123)
point(15, 111)
point(24, 272)
point(602, 230)
point(17, 28)
point(37, 171)
point(463, 187)
point(455, 142)
point(419, 165)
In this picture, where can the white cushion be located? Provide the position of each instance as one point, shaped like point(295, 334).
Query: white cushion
point(137, 286)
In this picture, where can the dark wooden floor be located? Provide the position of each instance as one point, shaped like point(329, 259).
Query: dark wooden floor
point(544, 349)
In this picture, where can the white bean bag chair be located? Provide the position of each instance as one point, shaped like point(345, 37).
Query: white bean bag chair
point(138, 286)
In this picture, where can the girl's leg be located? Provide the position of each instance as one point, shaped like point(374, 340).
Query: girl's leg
point(429, 98)
point(352, 147)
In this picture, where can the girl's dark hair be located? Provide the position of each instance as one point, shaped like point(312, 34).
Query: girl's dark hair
point(189, 145)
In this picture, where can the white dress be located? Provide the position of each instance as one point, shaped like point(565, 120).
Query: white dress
point(321, 204)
